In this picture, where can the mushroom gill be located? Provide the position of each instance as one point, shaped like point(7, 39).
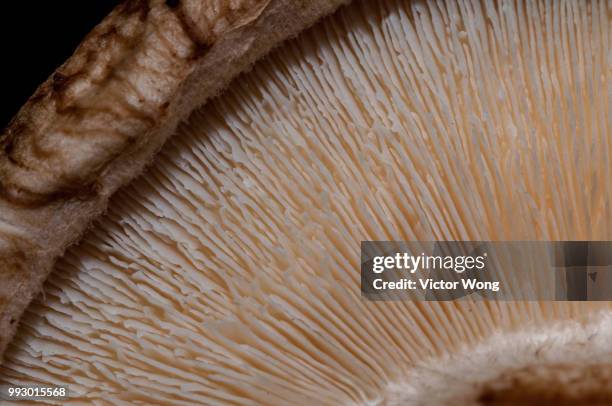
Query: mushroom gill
point(229, 272)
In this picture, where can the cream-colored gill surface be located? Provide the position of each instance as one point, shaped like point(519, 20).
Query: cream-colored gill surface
point(229, 273)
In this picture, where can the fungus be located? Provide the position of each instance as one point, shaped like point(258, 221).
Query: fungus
point(229, 272)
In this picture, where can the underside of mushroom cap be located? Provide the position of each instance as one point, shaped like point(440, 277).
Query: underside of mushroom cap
point(100, 118)
point(229, 273)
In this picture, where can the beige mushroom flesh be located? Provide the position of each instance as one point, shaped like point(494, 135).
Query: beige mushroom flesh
point(228, 273)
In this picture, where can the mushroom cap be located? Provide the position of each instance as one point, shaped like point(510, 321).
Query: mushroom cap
point(229, 272)
point(99, 119)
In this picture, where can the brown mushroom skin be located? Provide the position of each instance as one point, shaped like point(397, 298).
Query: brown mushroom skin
point(100, 118)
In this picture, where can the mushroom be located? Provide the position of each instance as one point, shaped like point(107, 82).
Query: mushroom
point(229, 272)
point(97, 121)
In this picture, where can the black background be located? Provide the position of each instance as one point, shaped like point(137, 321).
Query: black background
point(36, 38)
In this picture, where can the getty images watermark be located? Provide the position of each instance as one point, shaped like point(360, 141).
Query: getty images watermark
point(487, 270)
